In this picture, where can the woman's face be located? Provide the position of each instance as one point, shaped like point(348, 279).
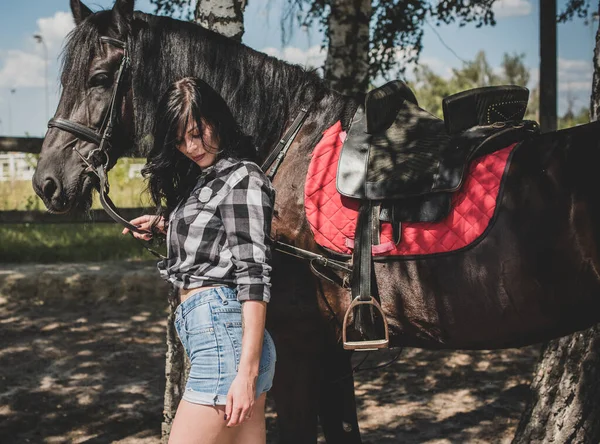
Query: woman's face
point(191, 145)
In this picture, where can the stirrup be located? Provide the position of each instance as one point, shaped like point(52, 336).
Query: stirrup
point(368, 345)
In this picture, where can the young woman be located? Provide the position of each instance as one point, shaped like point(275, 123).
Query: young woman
point(215, 207)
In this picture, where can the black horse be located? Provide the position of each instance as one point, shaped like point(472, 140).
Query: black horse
point(533, 275)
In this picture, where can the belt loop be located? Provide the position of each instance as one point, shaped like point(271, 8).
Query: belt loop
point(221, 294)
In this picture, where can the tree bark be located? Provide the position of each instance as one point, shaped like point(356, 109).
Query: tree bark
point(347, 62)
point(565, 402)
point(177, 368)
point(225, 17)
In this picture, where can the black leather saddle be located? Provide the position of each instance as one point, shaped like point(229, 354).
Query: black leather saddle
point(404, 163)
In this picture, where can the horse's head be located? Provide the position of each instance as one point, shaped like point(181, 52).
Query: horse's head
point(95, 104)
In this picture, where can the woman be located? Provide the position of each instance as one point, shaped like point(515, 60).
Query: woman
point(218, 205)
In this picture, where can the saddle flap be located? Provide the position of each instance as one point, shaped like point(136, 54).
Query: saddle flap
point(484, 106)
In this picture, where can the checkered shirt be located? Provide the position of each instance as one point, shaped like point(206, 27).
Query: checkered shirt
point(220, 233)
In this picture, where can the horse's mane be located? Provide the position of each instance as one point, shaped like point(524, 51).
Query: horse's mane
point(263, 93)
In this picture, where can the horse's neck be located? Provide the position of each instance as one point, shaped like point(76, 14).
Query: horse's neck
point(266, 96)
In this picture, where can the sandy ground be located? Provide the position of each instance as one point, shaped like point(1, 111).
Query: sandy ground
point(84, 371)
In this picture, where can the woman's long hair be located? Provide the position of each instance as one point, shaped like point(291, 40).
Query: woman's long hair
point(170, 174)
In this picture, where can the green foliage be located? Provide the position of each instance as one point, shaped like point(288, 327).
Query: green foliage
point(572, 119)
point(430, 88)
point(579, 8)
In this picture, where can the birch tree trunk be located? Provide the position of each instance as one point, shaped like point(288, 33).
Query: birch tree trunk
point(177, 368)
point(224, 17)
point(347, 62)
point(565, 403)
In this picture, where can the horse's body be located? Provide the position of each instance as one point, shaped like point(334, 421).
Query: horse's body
point(531, 277)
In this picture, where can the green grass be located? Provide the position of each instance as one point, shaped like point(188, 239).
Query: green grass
point(82, 242)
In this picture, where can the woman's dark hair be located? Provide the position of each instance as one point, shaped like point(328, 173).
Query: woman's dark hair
point(171, 175)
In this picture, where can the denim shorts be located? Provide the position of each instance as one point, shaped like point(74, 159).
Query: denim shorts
point(209, 325)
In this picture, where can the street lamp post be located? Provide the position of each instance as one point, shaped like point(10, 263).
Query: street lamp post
point(40, 39)
point(11, 92)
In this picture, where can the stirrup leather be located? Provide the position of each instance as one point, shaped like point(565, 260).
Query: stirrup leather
point(366, 345)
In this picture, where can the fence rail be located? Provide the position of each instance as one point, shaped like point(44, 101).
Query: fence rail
point(21, 144)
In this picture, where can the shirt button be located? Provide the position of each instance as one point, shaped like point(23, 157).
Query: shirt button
point(205, 195)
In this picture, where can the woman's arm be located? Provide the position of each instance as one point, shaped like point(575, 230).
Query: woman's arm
point(246, 214)
point(240, 398)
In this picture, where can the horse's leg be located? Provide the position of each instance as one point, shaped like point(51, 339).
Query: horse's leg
point(296, 393)
point(337, 406)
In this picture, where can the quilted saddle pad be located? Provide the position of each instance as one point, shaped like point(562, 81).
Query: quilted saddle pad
point(332, 217)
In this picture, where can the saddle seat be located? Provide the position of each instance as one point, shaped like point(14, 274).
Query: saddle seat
point(411, 160)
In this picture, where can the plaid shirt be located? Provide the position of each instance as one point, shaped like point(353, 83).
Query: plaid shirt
point(220, 233)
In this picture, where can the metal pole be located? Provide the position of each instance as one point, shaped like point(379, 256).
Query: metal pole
point(40, 39)
point(548, 65)
point(11, 92)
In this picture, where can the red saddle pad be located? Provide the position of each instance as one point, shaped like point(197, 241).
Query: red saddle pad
point(332, 217)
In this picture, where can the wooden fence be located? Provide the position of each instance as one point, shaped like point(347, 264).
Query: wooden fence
point(33, 145)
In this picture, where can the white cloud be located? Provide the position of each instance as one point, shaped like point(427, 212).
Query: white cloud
point(54, 29)
point(511, 8)
point(25, 68)
point(21, 69)
point(313, 57)
point(574, 75)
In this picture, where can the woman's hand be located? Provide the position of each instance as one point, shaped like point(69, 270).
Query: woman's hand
point(240, 399)
point(144, 223)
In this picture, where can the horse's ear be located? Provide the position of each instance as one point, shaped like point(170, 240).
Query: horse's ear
point(80, 11)
point(122, 16)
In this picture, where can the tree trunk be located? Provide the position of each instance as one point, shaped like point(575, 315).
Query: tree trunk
point(565, 402)
point(548, 65)
point(347, 63)
point(223, 16)
point(177, 368)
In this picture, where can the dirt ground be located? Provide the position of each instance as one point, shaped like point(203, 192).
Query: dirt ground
point(82, 371)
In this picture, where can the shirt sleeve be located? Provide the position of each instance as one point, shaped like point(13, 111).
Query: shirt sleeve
point(246, 213)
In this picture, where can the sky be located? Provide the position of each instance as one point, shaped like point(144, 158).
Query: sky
point(23, 78)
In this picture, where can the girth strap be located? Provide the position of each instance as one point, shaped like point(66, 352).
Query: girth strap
point(361, 256)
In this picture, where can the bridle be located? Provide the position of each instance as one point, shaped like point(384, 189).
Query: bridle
point(97, 159)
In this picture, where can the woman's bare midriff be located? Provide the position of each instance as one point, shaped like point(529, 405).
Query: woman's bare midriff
point(185, 293)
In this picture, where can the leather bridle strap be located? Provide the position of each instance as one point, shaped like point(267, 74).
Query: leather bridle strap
point(284, 144)
point(80, 131)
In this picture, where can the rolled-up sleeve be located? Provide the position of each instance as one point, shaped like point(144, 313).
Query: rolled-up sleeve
point(246, 213)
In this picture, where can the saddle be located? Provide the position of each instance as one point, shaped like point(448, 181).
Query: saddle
point(404, 164)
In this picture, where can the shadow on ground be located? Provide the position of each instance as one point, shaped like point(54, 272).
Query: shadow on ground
point(91, 370)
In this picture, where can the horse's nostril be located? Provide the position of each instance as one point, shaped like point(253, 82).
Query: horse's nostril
point(51, 188)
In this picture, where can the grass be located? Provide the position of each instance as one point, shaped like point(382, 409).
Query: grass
point(82, 242)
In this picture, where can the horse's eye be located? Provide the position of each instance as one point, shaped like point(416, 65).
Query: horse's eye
point(100, 79)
